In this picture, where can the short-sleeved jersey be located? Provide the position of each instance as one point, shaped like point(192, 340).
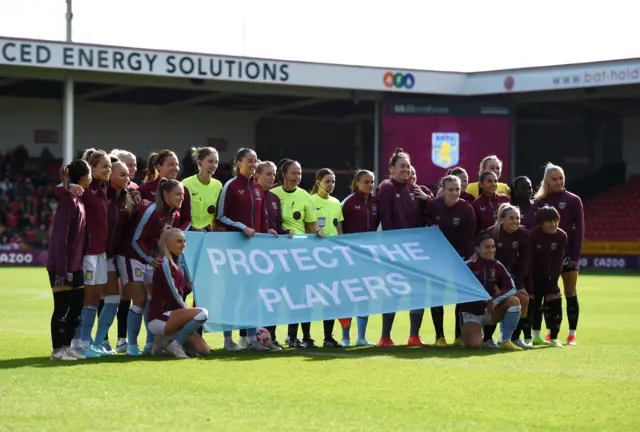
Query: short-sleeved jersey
point(204, 201)
point(328, 213)
point(297, 208)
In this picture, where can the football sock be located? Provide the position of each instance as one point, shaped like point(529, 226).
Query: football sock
point(134, 322)
point(437, 316)
point(458, 331)
point(87, 318)
point(243, 332)
point(189, 329)
point(61, 304)
point(306, 330)
point(123, 313)
point(272, 330)
point(100, 307)
point(251, 333)
point(387, 324)
point(415, 322)
point(227, 335)
point(105, 319)
point(346, 332)
point(536, 313)
point(510, 322)
point(572, 333)
point(292, 332)
point(489, 330)
point(526, 327)
point(150, 336)
point(328, 328)
point(73, 315)
point(362, 327)
point(573, 312)
point(553, 316)
point(516, 333)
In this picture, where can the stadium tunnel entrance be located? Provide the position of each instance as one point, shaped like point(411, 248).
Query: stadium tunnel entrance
point(318, 127)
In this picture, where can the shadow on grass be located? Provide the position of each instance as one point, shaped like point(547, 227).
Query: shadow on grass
point(320, 354)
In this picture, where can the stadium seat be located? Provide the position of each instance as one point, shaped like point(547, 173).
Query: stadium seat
point(12, 221)
point(31, 236)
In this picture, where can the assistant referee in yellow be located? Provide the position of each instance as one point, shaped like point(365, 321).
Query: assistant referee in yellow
point(204, 189)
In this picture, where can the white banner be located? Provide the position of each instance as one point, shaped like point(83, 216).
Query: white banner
point(57, 55)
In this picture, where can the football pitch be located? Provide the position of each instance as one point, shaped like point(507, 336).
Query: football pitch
point(594, 386)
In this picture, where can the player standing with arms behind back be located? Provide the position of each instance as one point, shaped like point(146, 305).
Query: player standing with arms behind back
point(64, 263)
point(552, 192)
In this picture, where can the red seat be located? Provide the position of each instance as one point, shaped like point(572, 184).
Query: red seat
point(15, 207)
point(12, 221)
point(31, 236)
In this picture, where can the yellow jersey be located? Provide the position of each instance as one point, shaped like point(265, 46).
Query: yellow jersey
point(328, 213)
point(473, 189)
point(204, 201)
point(297, 208)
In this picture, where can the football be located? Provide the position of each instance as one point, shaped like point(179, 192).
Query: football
point(263, 336)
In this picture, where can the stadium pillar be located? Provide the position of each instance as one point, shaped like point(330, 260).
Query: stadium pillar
point(68, 101)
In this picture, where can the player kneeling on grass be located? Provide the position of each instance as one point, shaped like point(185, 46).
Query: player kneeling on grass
point(174, 325)
point(504, 306)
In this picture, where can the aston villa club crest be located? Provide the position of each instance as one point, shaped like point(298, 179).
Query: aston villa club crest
point(456, 221)
point(562, 205)
point(445, 149)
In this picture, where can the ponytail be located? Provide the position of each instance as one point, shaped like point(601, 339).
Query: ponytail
point(151, 171)
point(64, 176)
point(74, 172)
point(504, 208)
point(319, 176)
point(164, 186)
point(357, 176)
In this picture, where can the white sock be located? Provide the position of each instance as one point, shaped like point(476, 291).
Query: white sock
point(548, 331)
point(535, 333)
point(252, 339)
point(572, 332)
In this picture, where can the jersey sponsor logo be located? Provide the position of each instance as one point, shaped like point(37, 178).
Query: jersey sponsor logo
point(482, 208)
point(241, 191)
point(514, 245)
point(562, 205)
point(357, 207)
point(499, 245)
point(445, 149)
point(397, 195)
point(456, 221)
point(538, 246)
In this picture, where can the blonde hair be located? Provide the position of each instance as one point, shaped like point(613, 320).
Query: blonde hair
point(543, 190)
point(502, 212)
point(166, 235)
point(93, 156)
point(123, 154)
point(485, 161)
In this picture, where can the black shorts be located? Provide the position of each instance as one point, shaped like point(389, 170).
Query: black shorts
point(566, 268)
point(545, 287)
point(77, 279)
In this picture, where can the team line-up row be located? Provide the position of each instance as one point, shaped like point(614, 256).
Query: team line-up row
point(116, 248)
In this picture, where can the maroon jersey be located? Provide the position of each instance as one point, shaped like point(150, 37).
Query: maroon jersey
point(457, 223)
point(547, 256)
point(117, 219)
point(168, 283)
point(148, 192)
point(422, 215)
point(495, 279)
point(571, 219)
point(486, 208)
point(513, 250)
point(142, 242)
point(242, 205)
point(66, 246)
point(274, 213)
point(467, 197)
point(527, 214)
point(398, 205)
point(360, 213)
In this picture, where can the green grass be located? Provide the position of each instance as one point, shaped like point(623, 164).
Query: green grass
point(592, 387)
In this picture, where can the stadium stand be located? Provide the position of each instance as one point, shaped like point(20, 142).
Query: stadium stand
point(615, 214)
